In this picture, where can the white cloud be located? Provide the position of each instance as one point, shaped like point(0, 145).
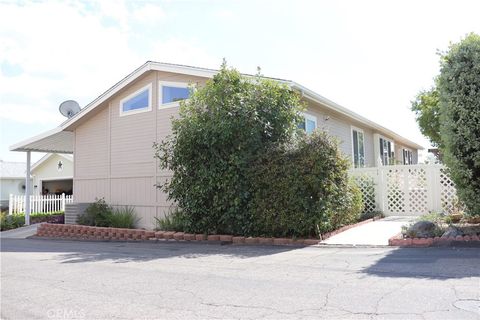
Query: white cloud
point(57, 56)
point(183, 52)
point(149, 14)
point(68, 52)
point(223, 14)
point(371, 57)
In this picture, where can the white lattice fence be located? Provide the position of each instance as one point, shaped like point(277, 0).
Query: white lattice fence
point(368, 184)
point(448, 194)
point(407, 189)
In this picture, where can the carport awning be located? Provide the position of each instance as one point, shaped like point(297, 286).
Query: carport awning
point(52, 141)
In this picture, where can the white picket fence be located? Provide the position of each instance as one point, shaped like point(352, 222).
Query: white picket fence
point(39, 203)
point(406, 189)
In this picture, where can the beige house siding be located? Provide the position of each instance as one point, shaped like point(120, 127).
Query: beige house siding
point(87, 190)
point(114, 154)
point(91, 147)
point(91, 168)
point(340, 127)
point(399, 153)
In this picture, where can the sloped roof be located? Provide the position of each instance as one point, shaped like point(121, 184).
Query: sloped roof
point(12, 170)
point(60, 139)
point(53, 141)
point(68, 157)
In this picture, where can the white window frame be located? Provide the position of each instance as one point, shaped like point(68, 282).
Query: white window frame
point(353, 128)
point(132, 95)
point(169, 84)
point(307, 116)
point(403, 155)
point(391, 149)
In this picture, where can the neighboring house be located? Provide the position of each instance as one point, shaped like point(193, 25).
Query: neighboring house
point(12, 180)
point(111, 138)
point(53, 174)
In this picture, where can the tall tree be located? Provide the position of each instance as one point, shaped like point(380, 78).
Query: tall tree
point(427, 111)
point(459, 94)
point(222, 128)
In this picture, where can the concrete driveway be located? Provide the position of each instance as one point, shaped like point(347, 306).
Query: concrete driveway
point(375, 233)
point(20, 233)
point(46, 279)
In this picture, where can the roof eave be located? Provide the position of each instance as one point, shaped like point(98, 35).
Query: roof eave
point(20, 146)
point(338, 108)
point(68, 125)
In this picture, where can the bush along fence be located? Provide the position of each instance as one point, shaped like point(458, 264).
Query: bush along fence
point(406, 189)
point(39, 203)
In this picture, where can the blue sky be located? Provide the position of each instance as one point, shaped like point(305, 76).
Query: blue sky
point(369, 56)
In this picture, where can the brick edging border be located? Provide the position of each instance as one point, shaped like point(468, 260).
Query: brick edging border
point(80, 232)
point(399, 241)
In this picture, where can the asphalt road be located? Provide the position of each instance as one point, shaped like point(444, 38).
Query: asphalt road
point(46, 279)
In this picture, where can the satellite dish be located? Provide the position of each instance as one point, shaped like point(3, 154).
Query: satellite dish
point(69, 108)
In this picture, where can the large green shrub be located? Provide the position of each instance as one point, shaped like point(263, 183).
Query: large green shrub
point(221, 130)
point(101, 214)
point(96, 214)
point(459, 87)
point(12, 221)
point(302, 188)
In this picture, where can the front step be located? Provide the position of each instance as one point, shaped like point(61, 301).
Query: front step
point(73, 210)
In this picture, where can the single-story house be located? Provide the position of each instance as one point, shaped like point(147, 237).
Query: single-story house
point(111, 138)
point(12, 180)
point(53, 174)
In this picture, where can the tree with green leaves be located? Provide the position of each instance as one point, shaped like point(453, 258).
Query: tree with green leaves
point(240, 165)
point(427, 111)
point(459, 97)
point(302, 188)
point(222, 128)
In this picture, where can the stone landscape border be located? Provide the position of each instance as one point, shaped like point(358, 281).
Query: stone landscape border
point(80, 232)
point(399, 241)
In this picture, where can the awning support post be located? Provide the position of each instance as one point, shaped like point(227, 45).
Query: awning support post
point(28, 191)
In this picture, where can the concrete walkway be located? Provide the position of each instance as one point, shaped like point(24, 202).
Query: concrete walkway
point(374, 233)
point(19, 233)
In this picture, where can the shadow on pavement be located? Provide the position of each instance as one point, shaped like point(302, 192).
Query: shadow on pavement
point(121, 252)
point(428, 263)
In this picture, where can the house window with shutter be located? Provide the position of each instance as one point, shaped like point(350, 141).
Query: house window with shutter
point(407, 156)
point(387, 153)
